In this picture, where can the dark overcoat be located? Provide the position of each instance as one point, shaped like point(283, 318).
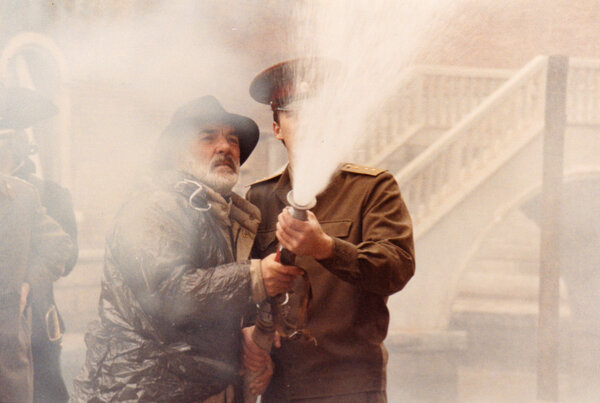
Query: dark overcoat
point(33, 249)
point(174, 293)
point(47, 325)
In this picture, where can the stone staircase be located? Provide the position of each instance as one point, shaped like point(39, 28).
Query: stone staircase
point(478, 254)
point(501, 279)
point(454, 156)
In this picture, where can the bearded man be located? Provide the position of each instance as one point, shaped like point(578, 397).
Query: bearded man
point(177, 281)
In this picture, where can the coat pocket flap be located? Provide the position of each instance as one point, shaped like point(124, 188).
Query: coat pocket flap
point(338, 229)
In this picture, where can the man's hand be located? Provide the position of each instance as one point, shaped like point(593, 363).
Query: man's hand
point(277, 277)
point(256, 360)
point(304, 238)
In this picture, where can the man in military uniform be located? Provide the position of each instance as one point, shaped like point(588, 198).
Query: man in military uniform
point(177, 279)
point(357, 249)
point(25, 109)
point(33, 253)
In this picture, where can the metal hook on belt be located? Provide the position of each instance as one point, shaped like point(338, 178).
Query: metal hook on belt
point(195, 193)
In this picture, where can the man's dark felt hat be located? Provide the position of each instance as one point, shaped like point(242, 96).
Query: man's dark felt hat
point(207, 110)
point(21, 108)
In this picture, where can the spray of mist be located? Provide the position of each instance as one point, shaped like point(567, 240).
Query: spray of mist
point(370, 42)
point(127, 74)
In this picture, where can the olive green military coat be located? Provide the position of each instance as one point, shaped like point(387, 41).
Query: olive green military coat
point(363, 211)
point(33, 250)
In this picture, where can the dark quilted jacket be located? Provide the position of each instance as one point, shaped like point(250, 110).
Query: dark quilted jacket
point(173, 297)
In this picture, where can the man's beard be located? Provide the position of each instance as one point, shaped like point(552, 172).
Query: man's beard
point(219, 182)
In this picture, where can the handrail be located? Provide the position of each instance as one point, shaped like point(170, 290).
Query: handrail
point(471, 118)
point(428, 97)
point(460, 71)
point(393, 123)
point(514, 110)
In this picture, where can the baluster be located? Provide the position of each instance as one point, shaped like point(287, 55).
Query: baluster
point(590, 95)
point(572, 96)
point(517, 112)
point(439, 101)
point(415, 190)
point(541, 95)
point(498, 131)
point(595, 118)
point(459, 91)
point(431, 106)
point(474, 134)
point(453, 103)
point(397, 118)
point(581, 91)
point(468, 97)
point(444, 101)
point(533, 96)
point(514, 118)
point(442, 174)
point(374, 126)
point(468, 150)
point(432, 195)
point(494, 125)
point(462, 148)
point(436, 181)
point(581, 96)
point(455, 169)
point(513, 121)
point(424, 112)
point(383, 126)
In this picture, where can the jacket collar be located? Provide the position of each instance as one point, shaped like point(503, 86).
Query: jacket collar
point(245, 213)
point(283, 185)
point(203, 198)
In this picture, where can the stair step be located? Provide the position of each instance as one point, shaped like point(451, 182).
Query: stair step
point(503, 285)
point(502, 293)
point(494, 266)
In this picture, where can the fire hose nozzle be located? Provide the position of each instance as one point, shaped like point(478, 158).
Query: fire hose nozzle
point(297, 211)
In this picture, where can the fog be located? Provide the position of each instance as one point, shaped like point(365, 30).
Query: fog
point(466, 326)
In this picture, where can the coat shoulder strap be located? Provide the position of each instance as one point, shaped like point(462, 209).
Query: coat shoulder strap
point(362, 170)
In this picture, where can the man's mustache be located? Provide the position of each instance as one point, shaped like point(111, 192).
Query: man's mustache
point(224, 159)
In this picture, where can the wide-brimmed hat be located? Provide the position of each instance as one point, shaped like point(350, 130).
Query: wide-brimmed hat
point(294, 79)
point(207, 110)
point(21, 108)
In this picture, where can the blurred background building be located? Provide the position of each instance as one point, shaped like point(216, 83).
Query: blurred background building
point(462, 134)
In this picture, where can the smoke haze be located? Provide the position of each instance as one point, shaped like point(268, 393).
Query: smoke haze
point(130, 64)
